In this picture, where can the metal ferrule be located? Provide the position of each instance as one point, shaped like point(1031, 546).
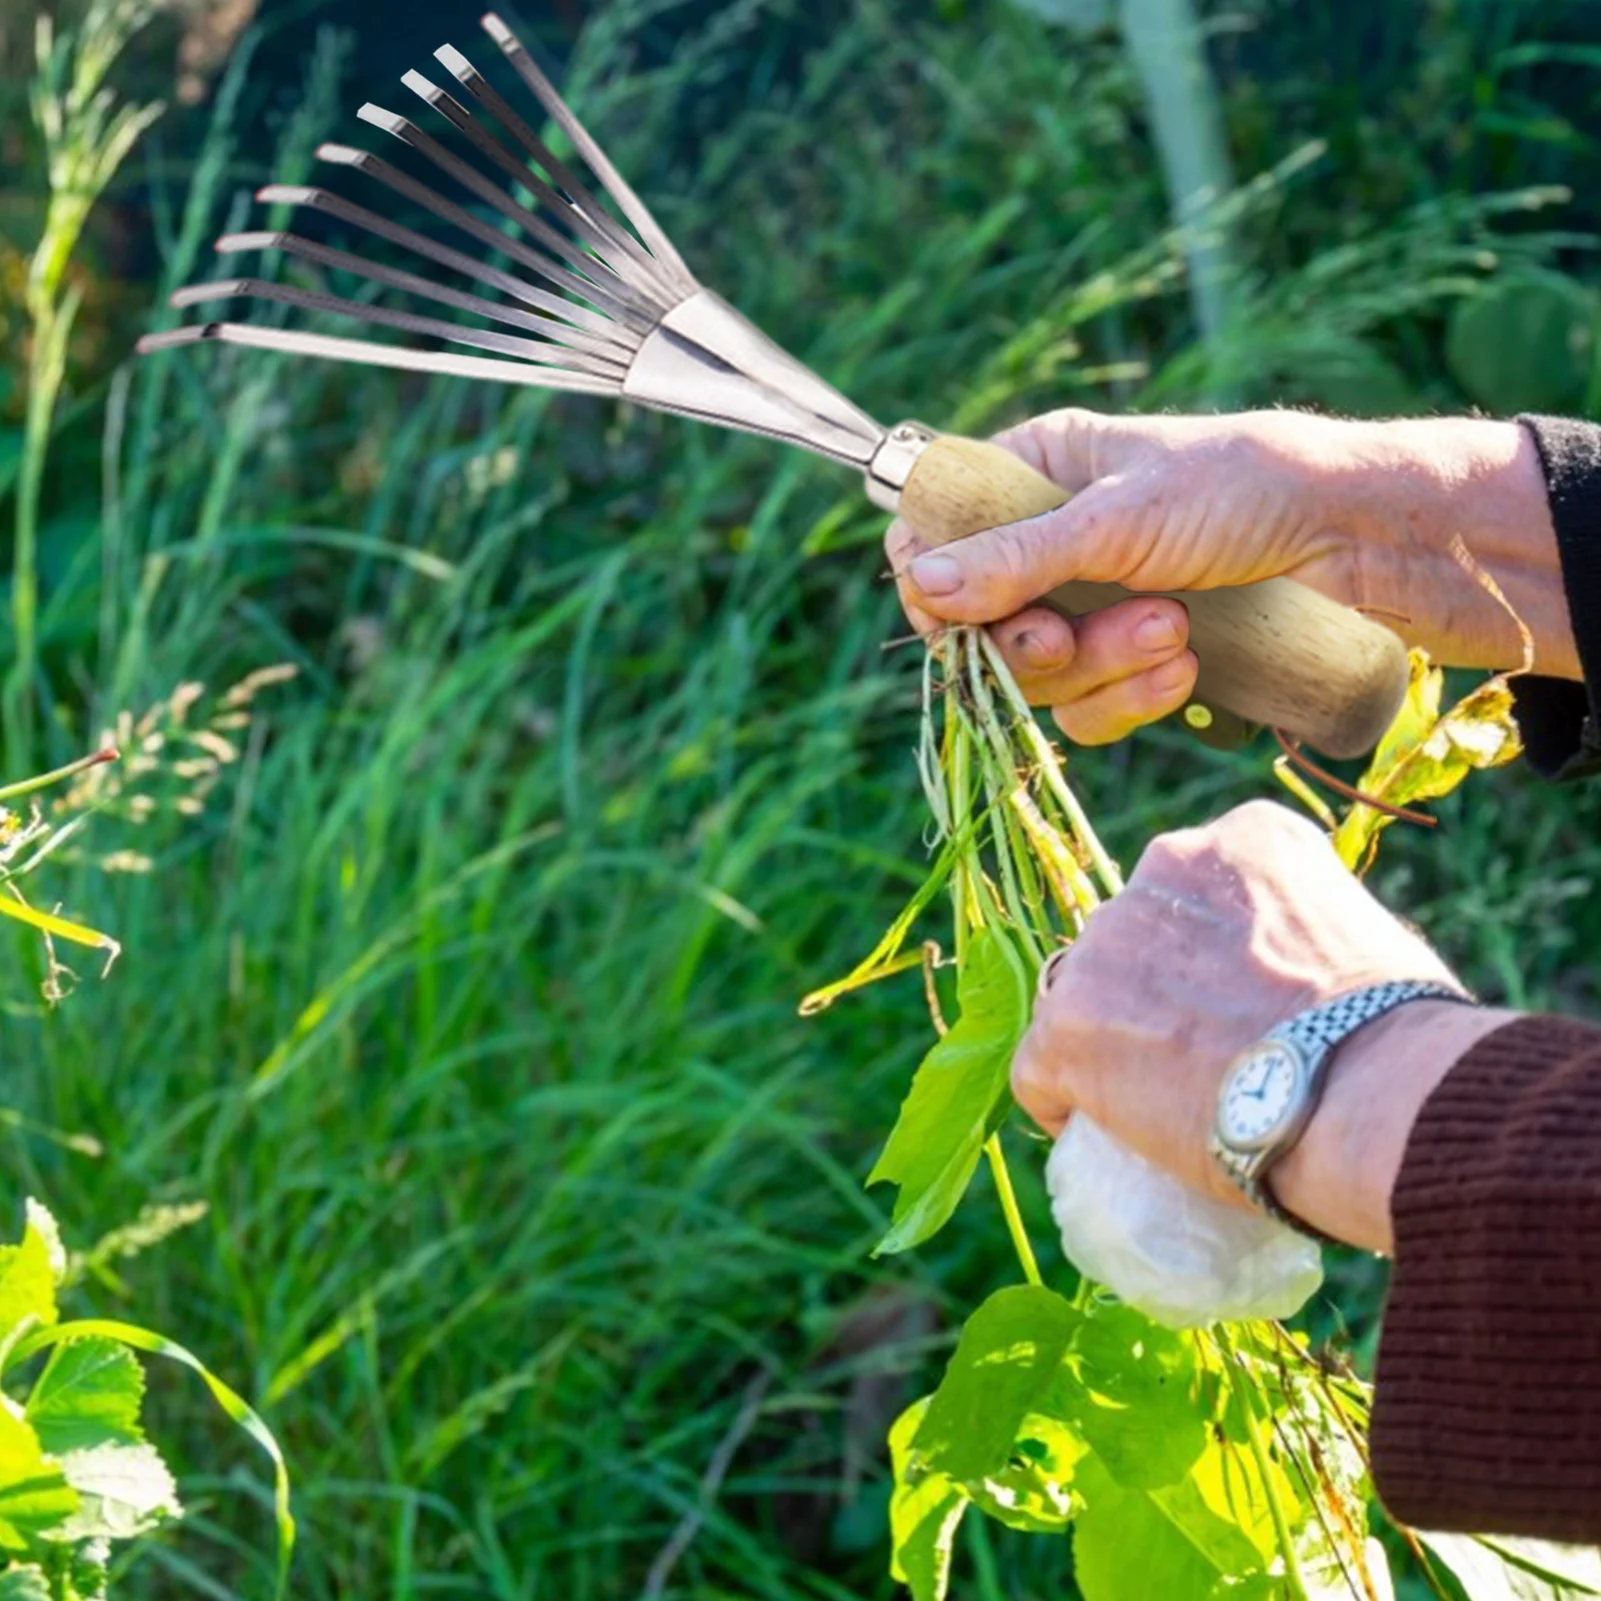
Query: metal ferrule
point(893, 461)
point(705, 360)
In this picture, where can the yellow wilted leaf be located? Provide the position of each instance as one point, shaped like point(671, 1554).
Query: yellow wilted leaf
point(59, 927)
point(1426, 755)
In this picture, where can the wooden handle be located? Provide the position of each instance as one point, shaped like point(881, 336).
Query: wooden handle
point(1273, 652)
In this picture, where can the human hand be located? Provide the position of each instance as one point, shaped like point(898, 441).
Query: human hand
point(1222, 933)
point(1365, 512)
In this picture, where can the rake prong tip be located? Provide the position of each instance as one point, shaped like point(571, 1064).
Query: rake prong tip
point(222, 289)
point(377, 117)
point(268, 239)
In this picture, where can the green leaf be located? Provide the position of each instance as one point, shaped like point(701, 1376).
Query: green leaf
point(1135, 1545)
point(1138, 1399)
point(1034, 1490)
point(1009, 1355)
point(24, 1582)
point(958, 1098)
point(138, 1339)
point(35, 1498)
point(28, 1274)
point(89, 1394)
point(1526, 339)
point(925, 1510)
point(1515, 1570)
point(123, 1491)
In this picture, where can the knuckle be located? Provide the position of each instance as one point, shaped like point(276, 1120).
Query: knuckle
point(1265, 819)
point(900, 542)
point(1020, 552)
point(1172, 854)
point(1164, 687)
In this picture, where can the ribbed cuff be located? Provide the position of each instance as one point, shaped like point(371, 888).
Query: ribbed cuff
point(1561, 721)
point(1487, 1404)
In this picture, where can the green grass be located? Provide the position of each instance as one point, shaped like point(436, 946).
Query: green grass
point(469, 1006)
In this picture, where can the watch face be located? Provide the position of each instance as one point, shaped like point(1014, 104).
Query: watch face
point(1260, 1096)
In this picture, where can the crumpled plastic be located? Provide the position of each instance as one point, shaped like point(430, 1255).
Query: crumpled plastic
point(1183, 1259)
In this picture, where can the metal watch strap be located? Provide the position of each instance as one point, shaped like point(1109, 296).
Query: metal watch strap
point(1317, 1033)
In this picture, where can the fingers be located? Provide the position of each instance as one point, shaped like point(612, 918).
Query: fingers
point(1056, 662)
point(1038, 1082)
point(1114, 712)
point(901, 545)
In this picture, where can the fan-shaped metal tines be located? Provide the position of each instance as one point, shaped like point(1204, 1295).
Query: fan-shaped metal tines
point(611, 357)
point(576, 209)
point(615, 299)
point(328, 347)
point(534, 350)
point(611, 180)
point(578, 194)
point(595, 324)
point(639, 284)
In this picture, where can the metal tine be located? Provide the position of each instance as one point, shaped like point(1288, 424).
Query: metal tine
point(582, 261)
point(411, 283)
point(620, 250)
point(598, 326)
point(329, 347)
point(594, 157)
point(577, 192)
point(624, 311)
point(405, 321)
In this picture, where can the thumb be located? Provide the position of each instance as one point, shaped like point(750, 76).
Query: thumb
point(992, 574)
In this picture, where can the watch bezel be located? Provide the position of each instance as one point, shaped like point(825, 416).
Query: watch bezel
point(1295, 1110)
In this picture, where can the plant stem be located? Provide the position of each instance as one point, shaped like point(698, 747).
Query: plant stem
point(1244, 1391)
point(1014, 1218)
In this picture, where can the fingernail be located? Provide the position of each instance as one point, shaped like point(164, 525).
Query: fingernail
point(1157, 632)
point(937, 575)
point(1034, 651)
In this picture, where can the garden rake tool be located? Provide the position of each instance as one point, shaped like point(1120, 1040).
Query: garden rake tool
point(588, 304)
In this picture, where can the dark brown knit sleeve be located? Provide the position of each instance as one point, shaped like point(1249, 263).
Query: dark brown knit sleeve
point(1561, 721)
point(1487, 1403)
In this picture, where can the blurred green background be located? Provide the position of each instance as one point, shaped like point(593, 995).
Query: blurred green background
point(465, 999)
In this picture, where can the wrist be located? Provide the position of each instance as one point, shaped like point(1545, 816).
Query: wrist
point(1417, 486)
point(1340, 1175)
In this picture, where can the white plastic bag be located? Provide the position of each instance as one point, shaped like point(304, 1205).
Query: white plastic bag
point(1178, 1257)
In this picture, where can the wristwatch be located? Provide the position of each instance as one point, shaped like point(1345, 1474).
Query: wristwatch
point(1270, 1091)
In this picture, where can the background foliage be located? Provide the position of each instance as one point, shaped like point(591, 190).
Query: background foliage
point(467, 1005)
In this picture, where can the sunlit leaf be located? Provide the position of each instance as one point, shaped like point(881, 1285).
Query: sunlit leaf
point(28, 1274)
point(958, 1098)
point(1009, 1355)
point(35, 1497)
point(1135, 1545)
point(89, 1394)
point(57, 927)
point(1034, 1491)
point(925, 1510)
point(1136, 1398)
point(1425, 755)
point(234, 1405)
point(123, 1491)
point(887, 957)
